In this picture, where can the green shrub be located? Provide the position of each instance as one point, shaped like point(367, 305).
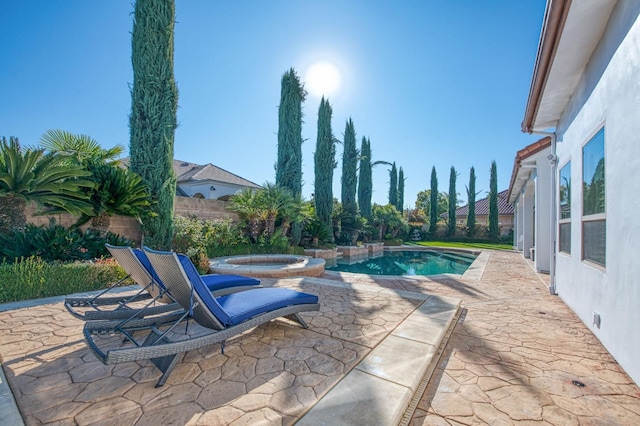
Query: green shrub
point(218, 238)
point(33, 278)
point(56, 243)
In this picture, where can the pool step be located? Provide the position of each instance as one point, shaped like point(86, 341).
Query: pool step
point(386, 386)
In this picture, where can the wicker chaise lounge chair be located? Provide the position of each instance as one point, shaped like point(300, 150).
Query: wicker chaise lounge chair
point(224, 316)
point(138, 267)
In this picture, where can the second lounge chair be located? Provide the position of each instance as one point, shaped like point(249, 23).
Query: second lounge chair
point(137, 266)
point(225, 317)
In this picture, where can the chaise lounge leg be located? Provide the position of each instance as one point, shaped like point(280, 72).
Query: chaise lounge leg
point(165, 364)
point(296, 317)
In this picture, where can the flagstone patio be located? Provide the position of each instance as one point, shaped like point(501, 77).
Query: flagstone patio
point(512, 358)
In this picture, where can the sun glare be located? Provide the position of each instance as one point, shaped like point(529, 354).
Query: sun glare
point(322, 79)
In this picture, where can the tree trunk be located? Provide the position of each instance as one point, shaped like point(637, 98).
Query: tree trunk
point(12, 213)
point(101, 223)
point(254, 229)
point(271, 225)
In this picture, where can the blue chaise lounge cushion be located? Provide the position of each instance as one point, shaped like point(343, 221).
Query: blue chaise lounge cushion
point(239, 307)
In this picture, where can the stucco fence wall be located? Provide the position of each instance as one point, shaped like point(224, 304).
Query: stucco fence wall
point(129, 228)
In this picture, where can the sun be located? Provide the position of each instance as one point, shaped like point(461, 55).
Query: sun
point(322, 79)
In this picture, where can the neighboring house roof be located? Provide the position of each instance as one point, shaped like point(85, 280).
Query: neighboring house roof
point(518, 175)
point(190, 172)
point(482, 206)
point(571, 31)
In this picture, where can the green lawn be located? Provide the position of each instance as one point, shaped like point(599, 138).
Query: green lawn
point(452, 244)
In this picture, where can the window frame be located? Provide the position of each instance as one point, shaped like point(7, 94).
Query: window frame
point(593, 217)
point(567, 220)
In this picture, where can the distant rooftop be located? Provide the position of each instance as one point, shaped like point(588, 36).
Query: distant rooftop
point(188, 172)
point(191, 172)
point(482, 206)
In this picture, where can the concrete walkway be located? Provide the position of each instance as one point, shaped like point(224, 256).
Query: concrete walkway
point(512, 358)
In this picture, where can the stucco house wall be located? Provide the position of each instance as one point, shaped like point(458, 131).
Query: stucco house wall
point(209, 190)
point(530, 193)
point(607, 95)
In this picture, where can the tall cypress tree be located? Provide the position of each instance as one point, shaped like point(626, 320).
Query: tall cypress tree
point(365, 179)
point(400, 204)
point(349, 178)
point(471, 197)
point(153, 121)
point(493, 202)
point(289, 164)
point(393, 185)
point(433, 214)
point(325, 162)
point(453, 202)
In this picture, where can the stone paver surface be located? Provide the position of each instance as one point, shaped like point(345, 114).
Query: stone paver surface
point(271, 375)
point(515, 354)
point(512, 359)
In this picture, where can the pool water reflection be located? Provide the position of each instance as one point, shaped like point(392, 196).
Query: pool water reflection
point(429, 262)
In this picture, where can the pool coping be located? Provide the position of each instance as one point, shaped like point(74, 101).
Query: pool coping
point(380, 380)
point(303, 266)
point(473, 272)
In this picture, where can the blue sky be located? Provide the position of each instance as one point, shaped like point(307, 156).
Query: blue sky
point(429, 82)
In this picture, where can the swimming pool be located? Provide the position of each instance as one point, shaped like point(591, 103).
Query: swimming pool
point(405, 262)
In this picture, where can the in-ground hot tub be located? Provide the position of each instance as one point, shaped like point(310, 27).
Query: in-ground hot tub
point(268, 265)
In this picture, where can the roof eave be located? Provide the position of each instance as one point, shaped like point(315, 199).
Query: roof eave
point(554, 19)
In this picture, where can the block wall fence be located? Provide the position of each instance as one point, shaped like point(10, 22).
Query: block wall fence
point(130, 228)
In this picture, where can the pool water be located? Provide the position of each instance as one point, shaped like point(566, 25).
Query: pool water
point(405, 263)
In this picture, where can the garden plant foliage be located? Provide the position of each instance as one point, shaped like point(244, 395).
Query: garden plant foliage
point(56, 243)
point(33, 278)
point(325, 162)
point(153, 119)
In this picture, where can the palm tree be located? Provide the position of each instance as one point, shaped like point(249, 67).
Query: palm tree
point(245, 204)
point(293, 211)
point(82, 147)
point(117, 191)
point(272, 200)
point(48, 179)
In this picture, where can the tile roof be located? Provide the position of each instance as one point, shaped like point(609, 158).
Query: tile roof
point(482, 206)
point(522, 155)
point(188, 172)
point(191, 172)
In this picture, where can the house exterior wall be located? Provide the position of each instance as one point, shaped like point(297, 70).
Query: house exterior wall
point(542, 238)
point(608, 95)
point(528, 214)
point(221, 189)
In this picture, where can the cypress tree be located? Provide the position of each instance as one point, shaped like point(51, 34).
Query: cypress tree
point(289, 164)
point(365, 179)
point(433, 214)
point(453, 202)
point(493, 202)
point(400, 204)
point(349, 178)
point(393, 185)
point(152, 123)
point(471, 197)
point(325, 162)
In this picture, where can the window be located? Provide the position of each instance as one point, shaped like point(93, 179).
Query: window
point(565, 209)
point(593, 201)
